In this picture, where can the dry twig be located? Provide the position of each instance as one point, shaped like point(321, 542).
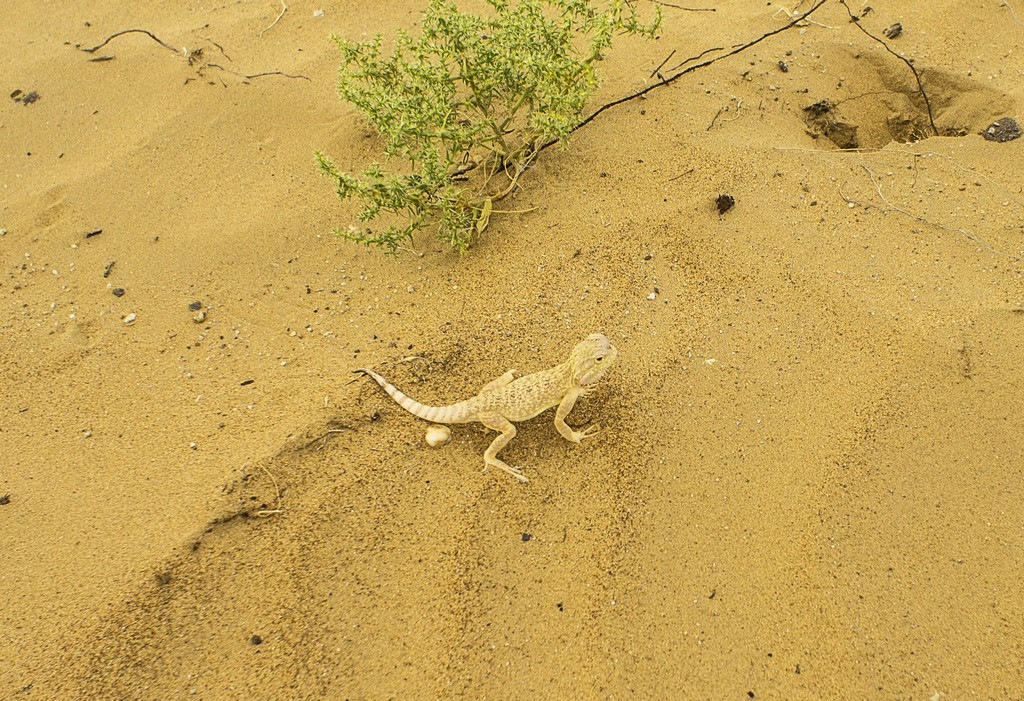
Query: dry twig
point(1016, 19)
point(657, 71)
point(268, 512)
point(687, 9)
point(917, 76)
point(250, 76)
point(890, 207)
point(675, 76)
point(284, 8)
point(129, 31)
point(699, 56)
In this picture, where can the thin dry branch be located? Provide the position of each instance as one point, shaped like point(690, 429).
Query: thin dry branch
point(1016, 19)
point(278, 509)
point(250, 76)
point(657, 71)
point(699, 56)
point(281, 73)
point(193, 56)
point(886, 152)
point(284, 8)
point(687, 9)
point(689, 69)
point(890, 207)
point(917, 76)
point(129, 31)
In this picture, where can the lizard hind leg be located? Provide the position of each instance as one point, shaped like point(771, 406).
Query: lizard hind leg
point(497, 422)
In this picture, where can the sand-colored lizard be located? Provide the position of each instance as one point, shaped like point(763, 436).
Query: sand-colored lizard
point(507, 399)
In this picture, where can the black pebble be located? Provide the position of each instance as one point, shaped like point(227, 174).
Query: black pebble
point(118, 291)
point(526, 537)
point(255, 640)
point(195, 306)
point(1002, 130)
point(893, 31)
point(5, 500)
point(724, 203)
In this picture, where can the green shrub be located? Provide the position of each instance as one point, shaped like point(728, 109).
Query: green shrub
point(467, 104)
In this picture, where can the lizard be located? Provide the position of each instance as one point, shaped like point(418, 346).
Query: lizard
point(507, 399)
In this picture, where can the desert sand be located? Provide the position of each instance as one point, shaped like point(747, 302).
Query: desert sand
point(808, 482)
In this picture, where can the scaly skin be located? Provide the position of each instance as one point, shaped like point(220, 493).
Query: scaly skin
point(507, 399)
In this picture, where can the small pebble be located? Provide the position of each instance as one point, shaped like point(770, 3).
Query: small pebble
point(438, 436)
point(893, 31)
point(652, 296)
point(199, 317)
point(130, 319)
point(195, 306)
point(255, 640)
point(118, 291)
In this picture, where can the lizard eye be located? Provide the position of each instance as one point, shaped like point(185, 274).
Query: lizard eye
point(600, 358)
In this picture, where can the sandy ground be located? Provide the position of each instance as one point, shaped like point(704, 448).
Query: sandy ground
point(809, 480)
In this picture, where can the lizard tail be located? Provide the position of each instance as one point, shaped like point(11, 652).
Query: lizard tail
point(435, 414)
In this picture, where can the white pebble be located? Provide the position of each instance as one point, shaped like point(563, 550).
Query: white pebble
point(438, 435)
point(130, 319)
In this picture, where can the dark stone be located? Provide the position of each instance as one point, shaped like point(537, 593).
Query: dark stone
point(1002, 130)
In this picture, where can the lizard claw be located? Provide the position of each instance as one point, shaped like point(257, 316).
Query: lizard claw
point(501, 465)
point(588, 432)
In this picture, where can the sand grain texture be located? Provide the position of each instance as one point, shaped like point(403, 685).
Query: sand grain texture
point(808, 484)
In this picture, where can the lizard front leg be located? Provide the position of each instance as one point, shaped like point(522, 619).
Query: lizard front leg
point(499, 382)
point(497, 422)
point(564, 407)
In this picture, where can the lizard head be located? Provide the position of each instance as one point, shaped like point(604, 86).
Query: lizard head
point(591, 358)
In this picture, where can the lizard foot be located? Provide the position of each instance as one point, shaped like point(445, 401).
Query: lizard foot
point(588, 432)
point(502, 465)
